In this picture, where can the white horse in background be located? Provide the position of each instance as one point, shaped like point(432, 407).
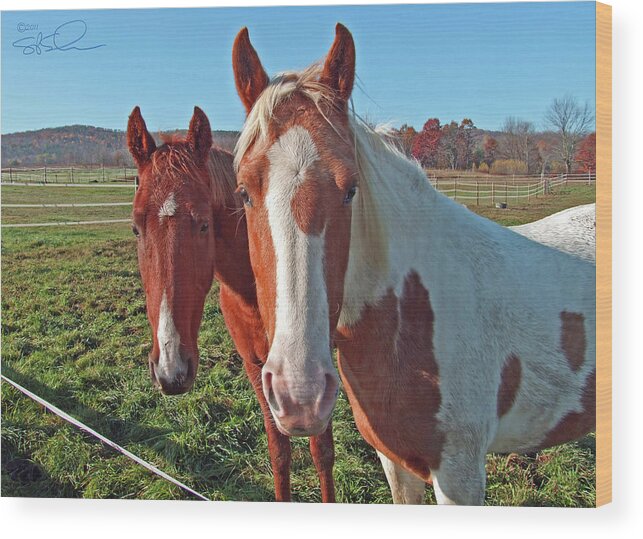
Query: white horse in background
point(572, 231)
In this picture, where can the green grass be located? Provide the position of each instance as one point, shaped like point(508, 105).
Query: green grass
point(64, 195)
point(74, 331)
point(521, 211)
point(16, 194)
point(57, 215)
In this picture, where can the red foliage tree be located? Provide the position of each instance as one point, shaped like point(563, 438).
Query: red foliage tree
point(490, 148)
point(586, 155)
point(406, 135)
point(426, 146)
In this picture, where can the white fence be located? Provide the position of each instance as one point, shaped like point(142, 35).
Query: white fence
point(73, 175)
point(492, 189)
point(67, 205)
point(483, 189)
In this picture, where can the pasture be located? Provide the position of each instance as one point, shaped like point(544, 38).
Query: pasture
point(74, 331)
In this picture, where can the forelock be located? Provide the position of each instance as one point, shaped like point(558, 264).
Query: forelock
point(281, 87)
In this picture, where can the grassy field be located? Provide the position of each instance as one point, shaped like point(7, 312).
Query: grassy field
point(16, 194)
point(74, 331)
point(522, 211)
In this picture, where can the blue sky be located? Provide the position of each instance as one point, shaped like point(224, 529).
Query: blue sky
point(482, 61)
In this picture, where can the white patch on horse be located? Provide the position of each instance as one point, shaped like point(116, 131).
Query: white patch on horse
point(406, 487)
point(170, 367)
point(168, 208)
point(515, 291)
point(301, 318)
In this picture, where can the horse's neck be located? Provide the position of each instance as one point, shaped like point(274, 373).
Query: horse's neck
point(232, 257)
point(404, 224)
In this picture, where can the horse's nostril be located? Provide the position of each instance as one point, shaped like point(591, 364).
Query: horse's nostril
point(269, 392)
point(329, 397)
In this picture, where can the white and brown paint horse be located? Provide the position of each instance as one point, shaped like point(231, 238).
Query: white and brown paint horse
point(456, 336)
point(189, 230)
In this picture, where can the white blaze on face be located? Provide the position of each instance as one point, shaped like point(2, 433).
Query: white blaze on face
point(301, 345)
point(168, 208)
point(170, 366)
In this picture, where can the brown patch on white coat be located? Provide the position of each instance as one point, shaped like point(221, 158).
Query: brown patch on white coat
point(391, 347)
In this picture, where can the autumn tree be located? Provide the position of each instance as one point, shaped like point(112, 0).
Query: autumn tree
point(448, 155)
point(572, 122)
point(490, 149)
point(406, 137)
point(465, 144)
point(519, 142)
point(586, 154)
point(426, 145)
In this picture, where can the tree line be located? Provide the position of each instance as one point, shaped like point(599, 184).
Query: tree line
point(566, 145)
point(80, 145)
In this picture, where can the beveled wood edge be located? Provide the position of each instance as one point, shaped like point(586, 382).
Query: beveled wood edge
point(603, 253)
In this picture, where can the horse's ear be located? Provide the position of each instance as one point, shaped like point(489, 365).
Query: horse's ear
point(139, 141)
point(199, 136)
point(249, 75)
point(339, 69)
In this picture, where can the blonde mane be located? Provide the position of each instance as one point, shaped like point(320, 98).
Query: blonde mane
point(174, 159)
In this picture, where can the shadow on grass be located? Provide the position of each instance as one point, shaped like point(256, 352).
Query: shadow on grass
point(24, 478)
point(22, 471)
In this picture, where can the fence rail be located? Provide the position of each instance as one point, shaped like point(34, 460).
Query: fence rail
point(68, 175)
point(502, 189)
point(468, 189)
point(71, 205)
point(446, 175)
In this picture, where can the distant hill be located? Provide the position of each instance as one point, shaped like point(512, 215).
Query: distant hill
point(79, 145)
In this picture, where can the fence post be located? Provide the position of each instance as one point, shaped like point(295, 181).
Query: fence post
point(493, 193)
point(528, 191)
point(589, 177)
point(10, 176)
point(505, 191)
point(455, 190)
point(477, 193)
point(102, 165)
point(45, 173)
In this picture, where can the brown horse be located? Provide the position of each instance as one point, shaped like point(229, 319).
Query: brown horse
point(189, 230)
point(456, 336)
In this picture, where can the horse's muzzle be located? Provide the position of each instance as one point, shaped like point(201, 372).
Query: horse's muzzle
point(304, 409)
point(180, 383)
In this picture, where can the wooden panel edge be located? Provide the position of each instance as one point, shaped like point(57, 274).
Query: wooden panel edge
point(603, 254)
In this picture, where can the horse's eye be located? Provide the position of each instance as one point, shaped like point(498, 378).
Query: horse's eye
point(350, 194)
point(244, 195)
point(204, 228)
point(135, 231)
